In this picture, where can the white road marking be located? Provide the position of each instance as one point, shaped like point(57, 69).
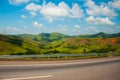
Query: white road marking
point(23, 78)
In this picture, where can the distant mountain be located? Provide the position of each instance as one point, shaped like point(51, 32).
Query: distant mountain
point(101, 35)
point(48, 37)
point(29, 36)
point(115, 35)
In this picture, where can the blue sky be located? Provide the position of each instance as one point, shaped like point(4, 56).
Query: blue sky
point(73, 17)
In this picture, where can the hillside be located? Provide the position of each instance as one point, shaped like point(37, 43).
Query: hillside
point(100, 35)
point(44, 38)
point(17, 45)
point(84, 45)
point(46, 43)
point(48, 37)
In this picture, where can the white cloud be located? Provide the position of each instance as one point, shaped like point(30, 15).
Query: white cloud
point(23, 16)
point(50, 19)
point(33, 7)
point(115, 4)
point(93, 29)
point(76, 26)
point(99, 21)
point(102, 9)
point(36, 24)
point(33, 14)
point(17, 30)
point(51, 11)
point(18, 2)
point(76, 11)
point(13, 28)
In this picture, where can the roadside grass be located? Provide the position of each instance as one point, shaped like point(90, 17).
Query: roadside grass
point(58, 56)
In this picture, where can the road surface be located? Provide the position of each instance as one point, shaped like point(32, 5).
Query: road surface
point(108, 69)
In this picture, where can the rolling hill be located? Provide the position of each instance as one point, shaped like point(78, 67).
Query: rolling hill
point(100, 35)
point(84, 45)
point(17, 45)
point(46, 43)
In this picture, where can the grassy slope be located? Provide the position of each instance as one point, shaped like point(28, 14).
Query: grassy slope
point(18, 45)
point(8, 48)
point(85, 45)
point(60, 44)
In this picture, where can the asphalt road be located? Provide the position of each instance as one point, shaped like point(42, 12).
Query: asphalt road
point(88, 70)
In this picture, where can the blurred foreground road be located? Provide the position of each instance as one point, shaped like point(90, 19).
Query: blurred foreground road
point(108, 69)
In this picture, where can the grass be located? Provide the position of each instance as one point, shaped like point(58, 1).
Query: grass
point(60, 56)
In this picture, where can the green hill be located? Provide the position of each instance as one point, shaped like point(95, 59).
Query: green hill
point(84, 45)
point(49, 37)
point(8, 48)
point(44, 38)
point(17, 45)
point(101, 35)
point(46, 43)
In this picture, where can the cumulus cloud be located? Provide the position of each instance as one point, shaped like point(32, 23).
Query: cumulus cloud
point(115, 4)
point(99, 21)
point(51, 11)
point(36, 24)
point(33, 14)
point(16, 2)
point(102, 9)
point(76, 11)
point(33, 7)
point(23, 16)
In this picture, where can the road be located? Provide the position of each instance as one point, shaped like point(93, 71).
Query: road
point(108, 69)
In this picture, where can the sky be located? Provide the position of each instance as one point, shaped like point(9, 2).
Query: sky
point(72, 17)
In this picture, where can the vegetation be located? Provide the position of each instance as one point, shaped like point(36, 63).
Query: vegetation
point(10, 45)
point(100, 35)
point(53, 43)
